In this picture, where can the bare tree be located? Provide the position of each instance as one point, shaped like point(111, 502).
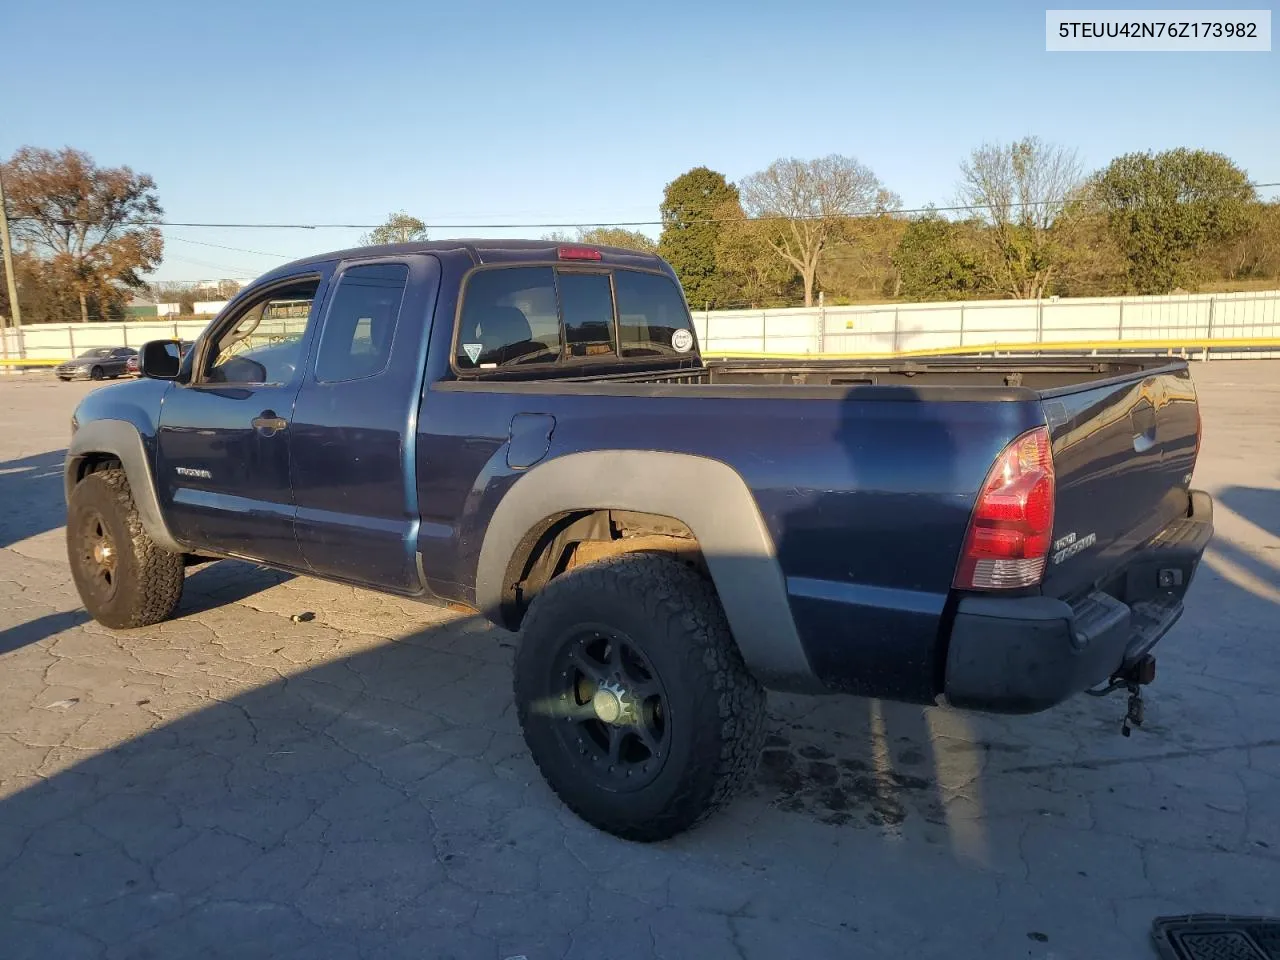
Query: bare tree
point(813, 200)
point(1020, 189)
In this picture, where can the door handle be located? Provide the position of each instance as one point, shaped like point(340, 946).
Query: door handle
point(268, 424)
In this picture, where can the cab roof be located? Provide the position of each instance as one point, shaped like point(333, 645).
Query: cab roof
point(482, 251)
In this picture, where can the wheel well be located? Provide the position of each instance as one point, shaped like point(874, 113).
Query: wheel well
point(574, 539)
point(95, 463)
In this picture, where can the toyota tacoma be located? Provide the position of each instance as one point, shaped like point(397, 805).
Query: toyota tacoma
point(529, 430)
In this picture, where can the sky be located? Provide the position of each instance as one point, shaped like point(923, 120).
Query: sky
point(504, 112)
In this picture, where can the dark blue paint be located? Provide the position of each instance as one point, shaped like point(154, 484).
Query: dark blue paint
point(352, 452)
point(391, 481)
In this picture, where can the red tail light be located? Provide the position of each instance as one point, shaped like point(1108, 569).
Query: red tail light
point(1012, 524)
point(578, 253)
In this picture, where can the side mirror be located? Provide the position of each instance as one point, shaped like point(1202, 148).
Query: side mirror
point(160, 360)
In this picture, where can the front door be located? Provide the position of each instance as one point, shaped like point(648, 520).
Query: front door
point(223, 442)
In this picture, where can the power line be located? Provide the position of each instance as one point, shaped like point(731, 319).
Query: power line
point(222, 246)
point(895, 211)
point(225, 268)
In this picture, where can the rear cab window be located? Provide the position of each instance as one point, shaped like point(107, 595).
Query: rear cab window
point(652, 319)
point(356, 341)
point(548, 315)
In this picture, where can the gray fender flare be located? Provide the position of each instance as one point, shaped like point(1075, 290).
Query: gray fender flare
point(707, 496)
point(120, 439)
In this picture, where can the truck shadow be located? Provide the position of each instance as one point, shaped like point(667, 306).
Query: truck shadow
point(31, 500)
point(206, 588)
point(376, 798)
point(860, 760)
point(1259, 506)
point(224, 582)
point(362, 802)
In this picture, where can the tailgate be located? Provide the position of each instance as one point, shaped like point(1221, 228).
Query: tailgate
point(1123, 452)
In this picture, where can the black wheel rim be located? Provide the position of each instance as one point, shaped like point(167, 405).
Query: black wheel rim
point(97, 374)
point(610, 709)
point(97, 556)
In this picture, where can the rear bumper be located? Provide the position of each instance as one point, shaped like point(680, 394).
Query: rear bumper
point(1024, 654)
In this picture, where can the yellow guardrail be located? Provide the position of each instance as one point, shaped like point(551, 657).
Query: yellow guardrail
point(30, 362)
point(1071, 346)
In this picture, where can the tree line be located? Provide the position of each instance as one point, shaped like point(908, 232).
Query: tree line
point(1028, 221)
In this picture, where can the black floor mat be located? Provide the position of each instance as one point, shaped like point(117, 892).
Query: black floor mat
point(1207, 936)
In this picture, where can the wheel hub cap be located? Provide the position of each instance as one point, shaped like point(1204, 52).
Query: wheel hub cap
point(613, 705)
point(612, 709)
point(97, 556)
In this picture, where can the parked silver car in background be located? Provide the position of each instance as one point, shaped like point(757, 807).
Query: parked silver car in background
point(97, 364)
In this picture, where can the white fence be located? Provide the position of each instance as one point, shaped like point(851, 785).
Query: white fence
point(61, 341)
point(1178, 320)
point(1170, 321)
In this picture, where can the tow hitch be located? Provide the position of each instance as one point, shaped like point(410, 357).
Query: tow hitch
point(1133, 678)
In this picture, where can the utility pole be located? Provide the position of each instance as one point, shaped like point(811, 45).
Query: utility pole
point(14, 309)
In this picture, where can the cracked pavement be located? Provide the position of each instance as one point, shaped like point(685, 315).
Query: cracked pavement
point(237, 784)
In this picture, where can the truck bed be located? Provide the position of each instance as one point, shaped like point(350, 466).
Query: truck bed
point(1125, 430)
point(1040, 374)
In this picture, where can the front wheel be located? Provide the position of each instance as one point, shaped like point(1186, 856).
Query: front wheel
point(634, 699)
point(96, 373)
point(124, 579)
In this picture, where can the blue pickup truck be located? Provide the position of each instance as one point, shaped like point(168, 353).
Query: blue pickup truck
point(529, 430)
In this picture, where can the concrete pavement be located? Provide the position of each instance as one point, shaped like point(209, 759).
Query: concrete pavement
point(236, 783)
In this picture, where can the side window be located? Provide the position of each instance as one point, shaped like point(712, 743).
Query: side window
point(263, 343)
point(587, 304)
point(652, 319)
point(357, 336)
point(509, 316)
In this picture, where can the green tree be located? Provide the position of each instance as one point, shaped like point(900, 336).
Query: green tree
point(690, 237)
point(86, 233)
point(399, 228)
point(1165, 211)
point(608, 237)
point(862, 265)
point(1254, 255)
point(938, 259)
point(746, 263)
point(48, 292)
point(1087, 262)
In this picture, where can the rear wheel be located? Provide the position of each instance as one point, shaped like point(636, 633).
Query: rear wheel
point(124, 579)
point(634, 699)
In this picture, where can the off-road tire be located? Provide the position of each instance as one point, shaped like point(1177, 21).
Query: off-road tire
point(716, 707)
point(148, 580)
